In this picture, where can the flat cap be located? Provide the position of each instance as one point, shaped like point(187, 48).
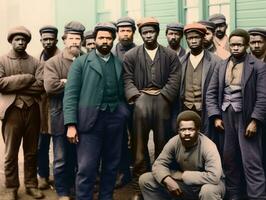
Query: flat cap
point(88, 34)
point(241, 33)
point(217, 18)
point(48, 29)
point(257, 31)
point(148, 21)
point(74, 27)
point(175, 27)
point(108, 26)
point(195, 27)
point(208, 24)
point(19, 30)
point(126, 21)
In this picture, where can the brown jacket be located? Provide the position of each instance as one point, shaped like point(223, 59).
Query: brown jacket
point(56, 69)
point(19, 76)
point(44, 103)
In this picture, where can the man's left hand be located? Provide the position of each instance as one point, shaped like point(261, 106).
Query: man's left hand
point(251, 129)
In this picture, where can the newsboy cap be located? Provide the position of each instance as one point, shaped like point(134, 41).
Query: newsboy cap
point(241, 33)
point(148, 21)
point(257, 31)
point(126, 21)
point(217, 18)
point(195, 27)
point(105, 26)
point(175, 27)
point(19, 30)
point(74, 27)
point(208, 24)
point(48, 29)
point(88, 34)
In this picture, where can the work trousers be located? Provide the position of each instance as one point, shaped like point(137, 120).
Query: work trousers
point(242, 158)
point(21, 124)
point(102, 143)
point(152, 190)
point(150, 113)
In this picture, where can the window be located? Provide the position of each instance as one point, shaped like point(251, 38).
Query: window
point(103, 11)
point(191, 8)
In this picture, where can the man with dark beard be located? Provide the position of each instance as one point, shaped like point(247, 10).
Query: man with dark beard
point(95, 114)
point(125, 32)
point(55, 78)
point(220, 39)
point(174, 34)
point(257, 43)
point(208, 39)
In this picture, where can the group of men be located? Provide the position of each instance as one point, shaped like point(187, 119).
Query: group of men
point(206, 107)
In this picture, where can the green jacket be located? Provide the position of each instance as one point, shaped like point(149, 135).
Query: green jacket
point(84, 91)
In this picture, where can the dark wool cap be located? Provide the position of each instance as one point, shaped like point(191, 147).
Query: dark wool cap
point(257, 31)
point(74, 27)
point(217, 18)
point(209, 25)
point(19, 30)
point(148, 21)
point(189, 115)
point(241, 33)
point(48, 29)
point(126, 21)
point(88, 34)
point(105, 26)
point(175, 27)
point(195, 27)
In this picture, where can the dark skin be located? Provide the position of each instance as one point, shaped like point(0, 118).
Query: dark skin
point(49, 42)
point(149, 36)
point(195, 42)
point(19, 44)
point(189, 136)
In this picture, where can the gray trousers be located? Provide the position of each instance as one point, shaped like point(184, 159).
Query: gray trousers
point(152, 190)
point(21, 124)
point(242, 158)
point(150, 113)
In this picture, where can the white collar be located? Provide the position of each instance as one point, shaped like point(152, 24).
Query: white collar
point(195, 60)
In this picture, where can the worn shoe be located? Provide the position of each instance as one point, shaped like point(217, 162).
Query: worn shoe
point(43, 183)
point(10, 194)
point(35, 193)
point(64, 198)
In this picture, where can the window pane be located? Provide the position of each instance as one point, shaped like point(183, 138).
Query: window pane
point(192, 15)
point(192, 3)
point(213, 1)
point(103, 17)
point(214, 9)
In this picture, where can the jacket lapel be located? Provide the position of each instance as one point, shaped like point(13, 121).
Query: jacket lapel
point(94, 63)
point(247, 70)
point(118, 67)
point(205, 69)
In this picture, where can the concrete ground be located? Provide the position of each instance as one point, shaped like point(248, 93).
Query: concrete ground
point(120, 194)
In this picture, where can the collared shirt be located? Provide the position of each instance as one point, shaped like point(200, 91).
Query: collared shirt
point(151, 53)
point(195, 60)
